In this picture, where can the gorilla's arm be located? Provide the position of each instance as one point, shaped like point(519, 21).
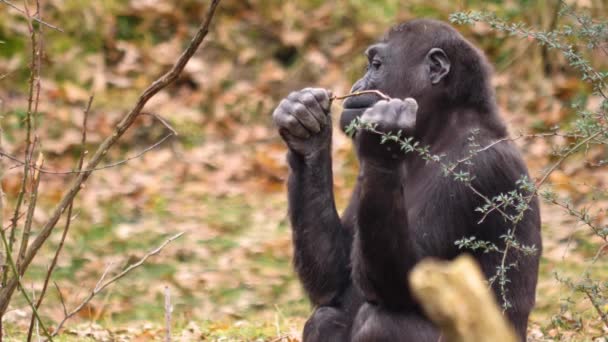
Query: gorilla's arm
point(322, 244)
point(384, 245)
point(497, 171)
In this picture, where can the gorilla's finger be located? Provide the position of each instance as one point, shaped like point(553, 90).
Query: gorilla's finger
point(293, 96)
point(322, 96)
point(287, 136)
point(395, 102)
point(411, 105)
point(406, 119)
point(406, 113)
point(310, 102)
point(305, 117)
point(380, 107)
point(289, 122)
point(371, 115)
point(396, 107)
point(381, 104)
point(278, 112)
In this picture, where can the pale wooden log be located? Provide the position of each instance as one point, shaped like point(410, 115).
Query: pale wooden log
point(456, 297)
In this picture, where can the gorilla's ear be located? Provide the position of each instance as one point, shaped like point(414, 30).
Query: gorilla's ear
point(439, 64)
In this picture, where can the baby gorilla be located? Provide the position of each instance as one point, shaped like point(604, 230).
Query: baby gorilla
point(403, 209)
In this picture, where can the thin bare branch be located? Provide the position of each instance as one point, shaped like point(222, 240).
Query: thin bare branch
point(39, 51)
point(32, 107)
point(363, 92)
point(68, 221)
point(108, 166)
point(22, 289)
point(120, 129)
point(172, 133)
point(168, 310)
point(29, 218)
point(65, 309)
point(3, 76)
point(10, 225)
point(3, 251)
point(33, 102)
point(36, 19)
point(102, 283)
point(163, 121)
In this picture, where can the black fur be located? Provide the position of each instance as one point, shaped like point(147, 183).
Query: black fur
point(355, 268)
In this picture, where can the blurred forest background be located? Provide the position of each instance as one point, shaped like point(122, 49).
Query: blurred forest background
point(221, 180)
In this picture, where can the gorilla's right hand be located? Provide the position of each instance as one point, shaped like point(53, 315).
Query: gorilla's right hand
point(304, 120)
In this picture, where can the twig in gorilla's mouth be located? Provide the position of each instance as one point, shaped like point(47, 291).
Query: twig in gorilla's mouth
point(362, 92)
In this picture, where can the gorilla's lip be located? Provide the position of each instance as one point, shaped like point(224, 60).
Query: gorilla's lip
point(361, 101)
point(354, 106)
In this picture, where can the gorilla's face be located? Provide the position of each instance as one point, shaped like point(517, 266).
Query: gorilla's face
point(400, 67)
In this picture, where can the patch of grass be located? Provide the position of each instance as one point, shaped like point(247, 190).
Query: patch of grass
point(67, 272)
point(270, 261)
point(229, 214)
point(127, 27)
point(240, 331)
point(219, 244)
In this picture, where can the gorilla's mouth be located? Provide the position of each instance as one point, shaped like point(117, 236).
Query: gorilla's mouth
point(361, 101)
point(353, 107)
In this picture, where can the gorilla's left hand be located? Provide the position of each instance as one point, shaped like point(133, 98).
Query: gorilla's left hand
point(389, 117)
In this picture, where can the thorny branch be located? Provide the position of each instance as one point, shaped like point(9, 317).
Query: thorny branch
point(583, 23)
point(596, 306)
